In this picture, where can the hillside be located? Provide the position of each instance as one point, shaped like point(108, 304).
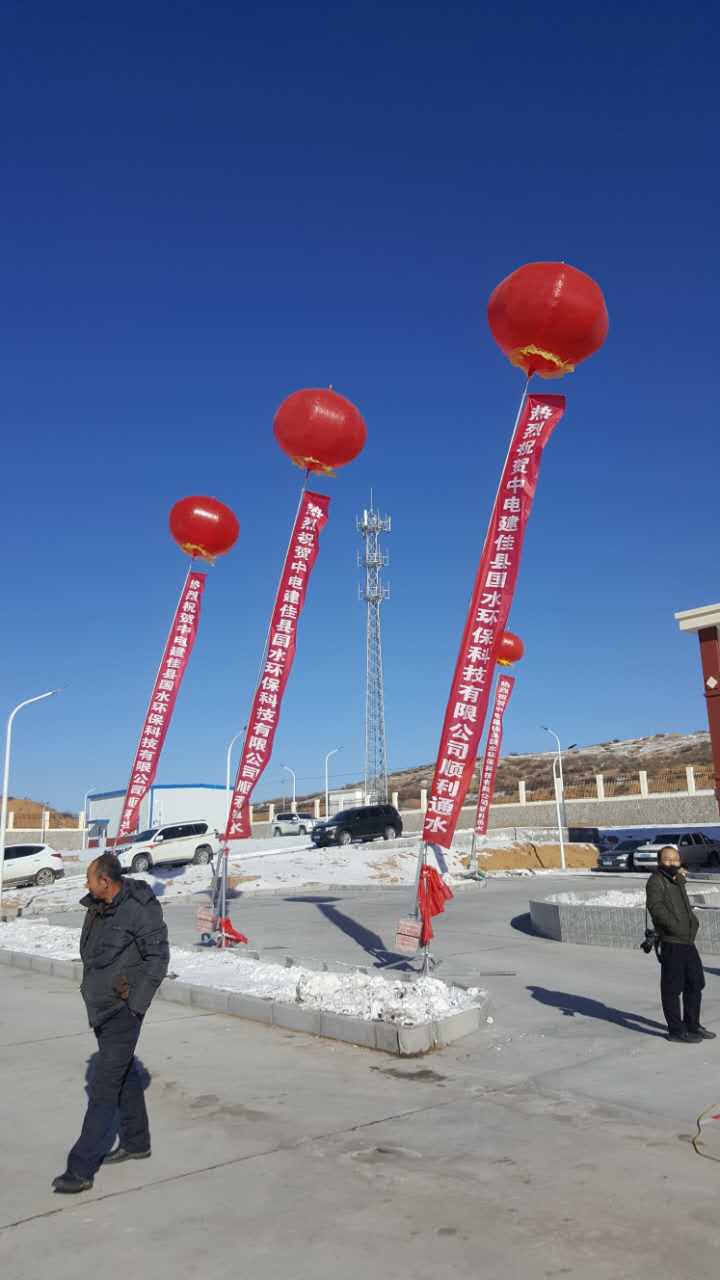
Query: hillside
point(664, 756)
point(28, 814)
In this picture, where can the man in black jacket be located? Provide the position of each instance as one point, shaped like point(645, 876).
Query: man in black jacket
point(682, 970)
point(124, 950)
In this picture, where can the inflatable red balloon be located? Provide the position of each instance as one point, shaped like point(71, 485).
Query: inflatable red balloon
point(319, 429)
point(510, 649)
point(547, 317)
point(204, 527)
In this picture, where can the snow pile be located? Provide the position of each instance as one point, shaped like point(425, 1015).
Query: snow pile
point(614, 898)
point(361, 995)
point(294, 868)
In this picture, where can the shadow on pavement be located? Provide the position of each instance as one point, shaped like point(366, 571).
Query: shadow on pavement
point(370, 942)
point(570, 1004)
point(310, 898)
point(524, 924)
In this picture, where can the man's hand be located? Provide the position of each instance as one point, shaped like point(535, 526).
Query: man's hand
point(121, 987)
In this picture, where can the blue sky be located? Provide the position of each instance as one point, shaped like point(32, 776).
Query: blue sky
point(207, 206)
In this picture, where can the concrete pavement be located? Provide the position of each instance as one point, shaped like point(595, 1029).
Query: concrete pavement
point(555, 1144)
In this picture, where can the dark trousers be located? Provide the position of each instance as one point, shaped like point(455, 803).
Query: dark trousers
point(115, 1086)
point(682, 975)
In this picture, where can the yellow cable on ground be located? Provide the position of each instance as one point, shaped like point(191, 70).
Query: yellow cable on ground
point(697, 1136)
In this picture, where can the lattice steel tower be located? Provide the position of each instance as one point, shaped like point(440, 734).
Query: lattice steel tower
point(371, 525)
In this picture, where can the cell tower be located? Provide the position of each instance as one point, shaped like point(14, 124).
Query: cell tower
point(371, 525)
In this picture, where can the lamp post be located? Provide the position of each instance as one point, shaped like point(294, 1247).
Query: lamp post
point(231, 744)
point(6, 775)
point(85, 816)
point(292, 774)
point(559, 792)
point(327, 781)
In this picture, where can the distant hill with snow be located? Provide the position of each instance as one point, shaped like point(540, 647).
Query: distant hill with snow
point(665, 754)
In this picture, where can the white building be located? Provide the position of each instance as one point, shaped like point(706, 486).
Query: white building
point(172, 802)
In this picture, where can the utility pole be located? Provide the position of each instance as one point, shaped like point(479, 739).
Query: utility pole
point(373, 591)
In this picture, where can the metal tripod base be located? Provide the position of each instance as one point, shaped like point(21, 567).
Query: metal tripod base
point(429, 962)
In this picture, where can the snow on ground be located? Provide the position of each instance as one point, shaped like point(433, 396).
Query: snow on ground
point(300, 867)
point(293, 868)
point(613, 898)
point(370, 997)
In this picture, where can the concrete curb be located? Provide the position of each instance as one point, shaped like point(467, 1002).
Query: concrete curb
point(387, 1037)
point(599, 926)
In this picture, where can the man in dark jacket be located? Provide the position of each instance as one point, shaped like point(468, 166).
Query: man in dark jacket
point(124, 950)
point(681, 966)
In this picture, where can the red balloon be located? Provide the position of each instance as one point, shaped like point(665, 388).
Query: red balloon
point(547, 317)
point(319, 430)
point(204, 527)
point(510, 649)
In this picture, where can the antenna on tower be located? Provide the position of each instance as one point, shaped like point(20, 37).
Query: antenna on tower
point(370, 526)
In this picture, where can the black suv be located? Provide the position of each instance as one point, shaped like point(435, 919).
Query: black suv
point(367, 823)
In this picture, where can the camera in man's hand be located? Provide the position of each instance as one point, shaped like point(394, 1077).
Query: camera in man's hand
point(650, 941)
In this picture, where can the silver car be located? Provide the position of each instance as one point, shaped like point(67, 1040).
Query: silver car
point(695, 849)
point(293, 824)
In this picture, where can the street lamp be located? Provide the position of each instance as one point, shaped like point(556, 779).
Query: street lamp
point(559, 788)
point(327, 783)
point(231, 744)
point(292, 773)
point(85, 816)
point(6, 775)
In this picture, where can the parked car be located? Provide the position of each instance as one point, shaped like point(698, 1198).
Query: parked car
point(173, 842)
point(368, 822)
point(32, 864)
point(695, 849)
point(293, 824)
point(592, 835)
point(619, 858)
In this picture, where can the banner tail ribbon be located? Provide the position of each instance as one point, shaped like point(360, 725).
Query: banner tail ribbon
point(264, 718)
point(176, 656)
point(491, 758)
point(487, 617)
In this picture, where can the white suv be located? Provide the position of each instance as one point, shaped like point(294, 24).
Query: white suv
point(31, 864)
point(173, 842)
point(293, 824)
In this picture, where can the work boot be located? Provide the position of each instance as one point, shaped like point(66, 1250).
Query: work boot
point(702, 1032)
point(71, 1183)
point(120, 1154)
point(685, 1037)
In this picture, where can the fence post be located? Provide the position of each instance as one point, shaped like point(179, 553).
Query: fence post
point(394, 799)
point(522, 791)
point(643, 782)
point(690, 775)
point(423, 800)
point(600, 786)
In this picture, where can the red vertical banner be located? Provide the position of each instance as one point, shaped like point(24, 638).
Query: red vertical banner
point(176, 656)
point(489, 610)
point(491, 759)
point(302, 553)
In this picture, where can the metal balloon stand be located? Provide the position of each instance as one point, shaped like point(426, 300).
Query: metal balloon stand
point(473, 872)
point(429, 961)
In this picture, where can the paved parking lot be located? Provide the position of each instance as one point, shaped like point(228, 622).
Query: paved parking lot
point(555, 1143)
